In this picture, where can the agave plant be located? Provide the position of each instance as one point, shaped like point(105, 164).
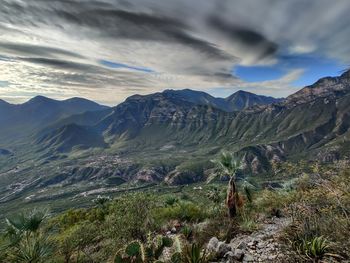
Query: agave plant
point(315, 248)
point(228, 166)
point(171, 200)
point(193, 254)
point(187, 232)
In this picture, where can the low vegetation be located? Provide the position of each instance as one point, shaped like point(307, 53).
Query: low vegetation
point(176, 227)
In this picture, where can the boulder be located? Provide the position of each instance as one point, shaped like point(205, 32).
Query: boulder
point(238, 254)
point(213, 244)
point(222, 249)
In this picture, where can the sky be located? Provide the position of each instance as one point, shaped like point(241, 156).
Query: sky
point(107, 50)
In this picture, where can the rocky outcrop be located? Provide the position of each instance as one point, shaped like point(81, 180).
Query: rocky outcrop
point(260, 246)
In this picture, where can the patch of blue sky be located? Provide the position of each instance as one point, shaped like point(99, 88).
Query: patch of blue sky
point(4, 83)
point(111, 64)
point(314, 66)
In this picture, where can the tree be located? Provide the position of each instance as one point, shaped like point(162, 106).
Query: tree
point(228, 166)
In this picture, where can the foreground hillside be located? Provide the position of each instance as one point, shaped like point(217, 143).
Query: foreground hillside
point(304, 220)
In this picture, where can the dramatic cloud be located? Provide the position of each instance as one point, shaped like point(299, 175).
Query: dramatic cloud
point(109, 49)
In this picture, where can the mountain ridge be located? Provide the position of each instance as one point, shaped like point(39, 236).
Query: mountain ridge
point(168, 138)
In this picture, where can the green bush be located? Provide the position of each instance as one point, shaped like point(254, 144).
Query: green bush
point(183, 211)
point(130, 218)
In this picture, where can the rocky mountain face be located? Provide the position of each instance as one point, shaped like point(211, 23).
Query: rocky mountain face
point(242, 100)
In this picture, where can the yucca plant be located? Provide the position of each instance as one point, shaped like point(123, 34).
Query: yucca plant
point(228, 166)
point(33, 250)
point(25, 241)
point(171, 200)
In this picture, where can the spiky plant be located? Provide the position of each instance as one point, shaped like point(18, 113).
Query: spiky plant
point(228, 166)
point(171, 200)
point(315, 248)
point(187, 232)
point(26, 243)
point(193, 254)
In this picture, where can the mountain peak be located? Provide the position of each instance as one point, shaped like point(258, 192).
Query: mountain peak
point(244, 99)
point(39, 99)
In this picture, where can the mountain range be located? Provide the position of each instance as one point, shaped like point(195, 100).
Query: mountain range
point(21, 120)
point(165, 137)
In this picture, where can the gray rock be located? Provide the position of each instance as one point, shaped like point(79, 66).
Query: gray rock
point(229, 256)
point(248, 258)
point(260, 245)
point(213, 244)
point(239, 245)
point(222, 249)
point(238, 254)
point(252, 243)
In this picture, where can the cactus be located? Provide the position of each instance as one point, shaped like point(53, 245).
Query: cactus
point(155, 249)
point(136, 252)
point(133, 252)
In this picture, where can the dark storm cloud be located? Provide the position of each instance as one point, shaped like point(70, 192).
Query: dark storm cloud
point(245, 36)
point(141, 26)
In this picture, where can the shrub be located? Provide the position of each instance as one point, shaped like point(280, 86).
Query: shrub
point(130, 218)
point(183, 211)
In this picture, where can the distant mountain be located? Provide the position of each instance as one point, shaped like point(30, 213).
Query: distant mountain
point(315, 117)
point(21, 120)
point(242, 100)
point(237, 101)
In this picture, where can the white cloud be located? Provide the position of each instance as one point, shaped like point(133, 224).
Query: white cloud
point(188, 43)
